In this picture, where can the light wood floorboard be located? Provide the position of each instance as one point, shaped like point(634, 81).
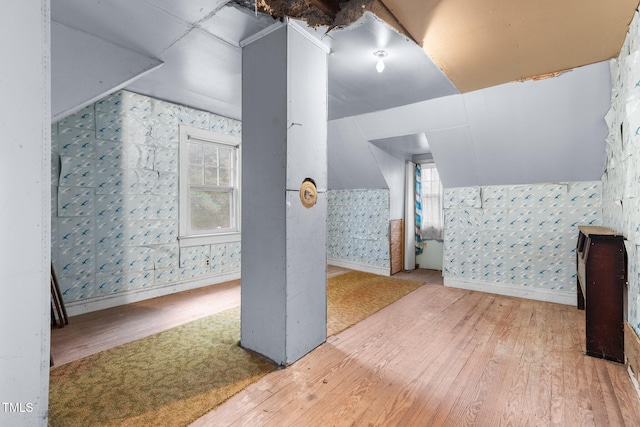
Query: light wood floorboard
point(445, 357)
point(438, 357)
point(97, 331)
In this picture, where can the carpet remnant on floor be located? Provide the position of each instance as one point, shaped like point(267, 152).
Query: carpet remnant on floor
point(354, 296)
point(167, 379)
point(174, 377)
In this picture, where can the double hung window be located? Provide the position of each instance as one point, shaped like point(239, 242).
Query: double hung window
point(209, 186)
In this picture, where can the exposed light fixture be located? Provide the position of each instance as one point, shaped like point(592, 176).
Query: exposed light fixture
point(380, 54)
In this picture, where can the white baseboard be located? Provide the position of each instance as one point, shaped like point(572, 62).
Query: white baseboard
point(108, 301)
point(382, 271)
point(559, 297)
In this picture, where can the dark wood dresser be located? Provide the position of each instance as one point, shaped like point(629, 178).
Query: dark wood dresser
point(602, 276)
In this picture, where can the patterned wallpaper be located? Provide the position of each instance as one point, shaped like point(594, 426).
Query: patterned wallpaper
point(520, 235)
point(621, 180)
point(358, 227)
point(115, 198)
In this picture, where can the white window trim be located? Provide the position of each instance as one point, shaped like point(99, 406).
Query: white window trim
point(188, 133)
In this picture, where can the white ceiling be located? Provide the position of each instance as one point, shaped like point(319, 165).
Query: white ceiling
point(199, 44)
point(404, 146)
point(188, 52)
point(355, 87)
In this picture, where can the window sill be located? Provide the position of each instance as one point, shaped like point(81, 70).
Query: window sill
point(210, 239)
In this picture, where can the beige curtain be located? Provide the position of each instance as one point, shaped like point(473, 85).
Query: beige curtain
point(432, 216)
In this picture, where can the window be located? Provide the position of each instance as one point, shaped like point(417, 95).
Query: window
point(431, 198)
point(209, 187)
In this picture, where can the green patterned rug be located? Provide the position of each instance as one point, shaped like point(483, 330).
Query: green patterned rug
point(354, 296)
point(176, 376)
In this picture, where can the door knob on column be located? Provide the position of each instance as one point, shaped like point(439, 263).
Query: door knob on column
point(308, 193)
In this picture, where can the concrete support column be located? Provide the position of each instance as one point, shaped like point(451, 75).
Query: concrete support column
point(284, 143)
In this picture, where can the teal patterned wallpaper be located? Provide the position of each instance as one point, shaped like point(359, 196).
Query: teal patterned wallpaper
point(358, 228)
point(115, 199)
point(520, 237)
point(621, 180)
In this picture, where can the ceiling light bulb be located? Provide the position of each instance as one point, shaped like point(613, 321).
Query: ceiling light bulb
point(380, 65)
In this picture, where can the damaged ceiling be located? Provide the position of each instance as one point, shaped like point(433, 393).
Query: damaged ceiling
point(443, 56)
point(475, 45)
point(325, 13)
point(484, 43)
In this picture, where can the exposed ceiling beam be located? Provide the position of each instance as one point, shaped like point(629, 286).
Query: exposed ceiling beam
point(330, 7)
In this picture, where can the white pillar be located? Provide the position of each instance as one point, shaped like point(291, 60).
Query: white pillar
point(25, 215)
point(284, 141)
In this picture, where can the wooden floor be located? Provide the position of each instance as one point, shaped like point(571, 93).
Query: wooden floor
point(100, 330)
point(93, 332)
point(445, 357)
point(438, 357)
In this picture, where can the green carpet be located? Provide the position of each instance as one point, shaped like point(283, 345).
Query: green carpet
point(354, 296)
point(176, 376)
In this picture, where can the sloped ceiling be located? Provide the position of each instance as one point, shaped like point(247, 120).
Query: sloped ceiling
point(355, 87)
point(455, 87)
point(197, 41)
point(516, 133)
point(86, 67)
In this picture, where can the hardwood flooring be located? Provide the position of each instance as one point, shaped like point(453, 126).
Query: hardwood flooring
point(93, 332)
point(438, 357)
point(445, 357)
point(100, 330)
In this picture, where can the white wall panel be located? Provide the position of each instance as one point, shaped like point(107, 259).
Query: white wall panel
point(264, 166)
point(85, 68)
point(392, 169)
point(306, 121)
point(284, 244)
point(306, 295)
point(516, 133)
point(440, 113)
point(539, 131)
point(351, 163)
point(24, 180)
point(454, 154)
